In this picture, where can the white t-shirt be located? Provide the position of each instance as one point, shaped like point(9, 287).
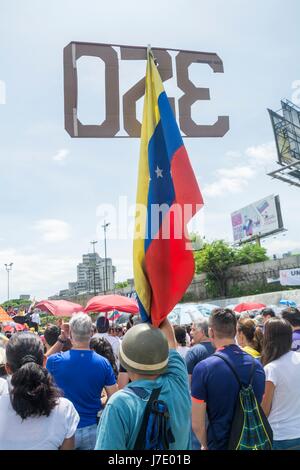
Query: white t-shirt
point(284, 417)
point(183, 350)
point(36, 433)
point(35, 318)
point(3, 386)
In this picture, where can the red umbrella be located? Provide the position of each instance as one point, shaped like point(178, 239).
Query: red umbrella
point(106, 303)
point(243, 307)
point(59, 308)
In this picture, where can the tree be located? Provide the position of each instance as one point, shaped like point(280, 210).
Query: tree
point(215, 259)
point(120, 285)
point(250, 253)
point(16, 303)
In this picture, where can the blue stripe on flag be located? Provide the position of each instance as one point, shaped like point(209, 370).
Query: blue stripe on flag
point(145, 317)
point(161, 189)
point(173, 139)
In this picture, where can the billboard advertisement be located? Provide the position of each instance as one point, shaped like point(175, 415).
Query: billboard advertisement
point(290, 277)
point(287, 132)
point(259, 219)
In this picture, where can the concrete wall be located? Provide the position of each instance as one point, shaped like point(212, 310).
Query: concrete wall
point(271, 298)
point(241, 276)
point(260, 272)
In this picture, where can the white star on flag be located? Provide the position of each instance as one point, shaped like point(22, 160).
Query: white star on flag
point(158, 172)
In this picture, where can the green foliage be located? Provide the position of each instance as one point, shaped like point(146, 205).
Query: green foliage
point(250, 253)
point(16, 303)
point(197, 241)
point(212, 287)
point(46, 318)
point(217, 257)
point(120, 285)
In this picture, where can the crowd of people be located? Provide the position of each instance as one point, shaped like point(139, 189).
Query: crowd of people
point(84, 385)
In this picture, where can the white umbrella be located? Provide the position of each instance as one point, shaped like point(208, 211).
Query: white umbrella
point(206, 309)
point(184, 314)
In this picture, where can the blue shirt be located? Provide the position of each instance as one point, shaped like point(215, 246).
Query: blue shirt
point(197, 353)
point(213, 382)
point(122, 417)
point(82, 374)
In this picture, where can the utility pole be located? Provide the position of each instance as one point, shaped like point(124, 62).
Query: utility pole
point(8, 268)
point(94, 267)
point(105, 225)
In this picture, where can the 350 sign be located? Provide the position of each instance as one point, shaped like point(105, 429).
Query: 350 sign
point(111, 124)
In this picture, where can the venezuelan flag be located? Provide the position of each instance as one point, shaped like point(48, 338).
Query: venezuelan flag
point(167, 197)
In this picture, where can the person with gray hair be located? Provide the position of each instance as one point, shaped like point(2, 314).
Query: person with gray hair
point(202, 347)
point(81, 328)
point(82, 374)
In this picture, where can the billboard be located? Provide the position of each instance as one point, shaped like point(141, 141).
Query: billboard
point(286, 129)
point(259, 219)
point(290, 277)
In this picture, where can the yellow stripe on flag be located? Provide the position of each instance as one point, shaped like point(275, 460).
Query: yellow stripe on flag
point(151, 117)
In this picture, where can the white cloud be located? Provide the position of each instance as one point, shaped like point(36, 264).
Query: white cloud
point(229, 180)
point(61, 155)
point(262, 154)
point(235, 179)
point(37, 274)
point(53, 230)
point(225, 185)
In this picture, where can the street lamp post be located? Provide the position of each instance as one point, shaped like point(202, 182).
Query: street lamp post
point(105, 225)
point(8, 268)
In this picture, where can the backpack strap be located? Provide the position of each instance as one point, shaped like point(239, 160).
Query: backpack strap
point(252, 372)
point(231, 366)
point(228, 362)
point(142, 393)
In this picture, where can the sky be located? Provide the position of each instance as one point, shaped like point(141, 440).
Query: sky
point(54, 189)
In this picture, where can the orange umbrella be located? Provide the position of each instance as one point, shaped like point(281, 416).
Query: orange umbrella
point(4, 316)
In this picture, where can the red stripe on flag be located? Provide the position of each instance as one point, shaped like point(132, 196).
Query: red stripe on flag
point(169, 262)
point(185, 184)
point(169, 266)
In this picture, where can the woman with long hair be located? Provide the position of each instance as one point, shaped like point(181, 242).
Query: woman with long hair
point(33, 415)
point(249, 337)
point(181, 340)
point(281, 401)
point(102, 346)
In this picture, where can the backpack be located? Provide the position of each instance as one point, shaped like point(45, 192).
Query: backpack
point(155, 431)
point(250, 429)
